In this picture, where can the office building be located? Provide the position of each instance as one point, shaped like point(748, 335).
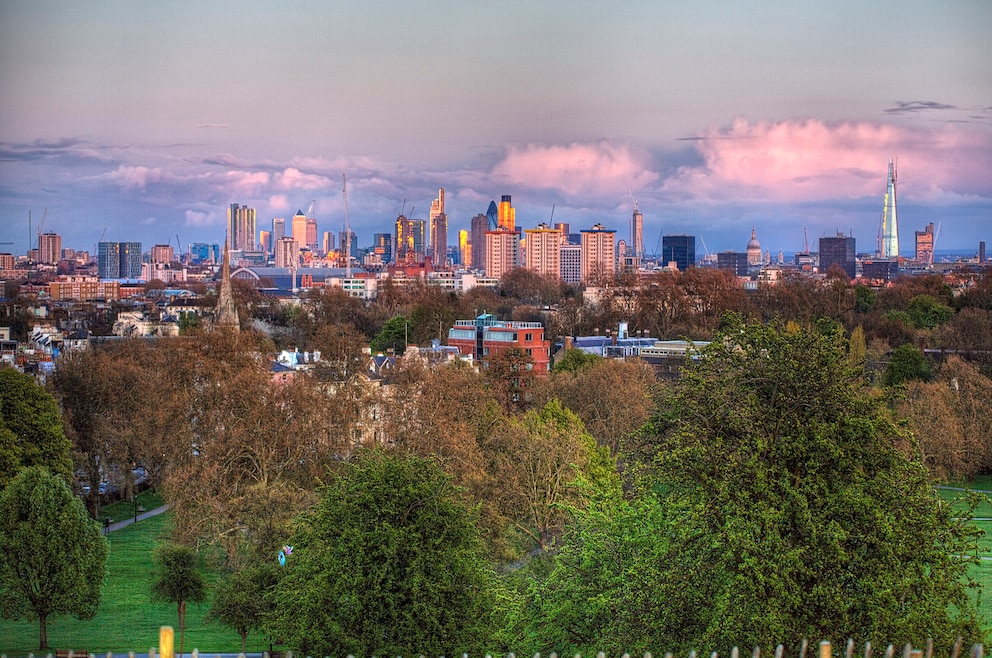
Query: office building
point(464, 248)
point(265, 242)
point(506, 215)
point(241, 227)
point(889, 247)
point(924, 245)
point(298, 229)
point(278, 229)
point(839, 251)
point(637, 232)
point(735, 262)
point(201, 252)
point(679, 249)
point(410, 240)
point(598, 255)
point(382, 246)
point(479, 226)
point(492, 215)
point(313, 242)
point(543, 250)
point(329, 242)
point(349, 244)
point(439, 230)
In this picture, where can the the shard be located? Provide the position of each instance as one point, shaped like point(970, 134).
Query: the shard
point(888, 246)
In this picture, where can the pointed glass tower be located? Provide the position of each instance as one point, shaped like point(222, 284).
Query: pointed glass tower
point(889, 234)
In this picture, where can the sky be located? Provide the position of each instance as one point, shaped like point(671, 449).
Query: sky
point(144, 121)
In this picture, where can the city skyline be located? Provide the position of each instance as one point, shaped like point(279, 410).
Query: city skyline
point(145, 123)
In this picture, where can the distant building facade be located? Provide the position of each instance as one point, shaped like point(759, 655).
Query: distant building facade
point(598, 253)
point(543, 250)
point(241, 227)
point(679, 249)
point(119, 260)
point(840, 251)
point(924, 245)
point(485, 337)
point(502, 252)
point(439, 230)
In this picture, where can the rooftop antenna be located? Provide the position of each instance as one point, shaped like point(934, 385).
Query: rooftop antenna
point(347, 228)
point(552, 221)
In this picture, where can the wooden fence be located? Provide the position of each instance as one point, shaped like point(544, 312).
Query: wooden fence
point(826, 650)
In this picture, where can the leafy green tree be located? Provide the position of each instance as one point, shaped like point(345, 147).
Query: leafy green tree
point(574, 360)
point(31, 431)
point(795, 510)
point(178, 582)
point(389, 563)
point(52, 555)
point(906, 364)
point(394, 336)
point(244, 599)
point(925, 312)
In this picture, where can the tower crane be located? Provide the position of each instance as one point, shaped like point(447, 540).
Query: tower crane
point(347, 228)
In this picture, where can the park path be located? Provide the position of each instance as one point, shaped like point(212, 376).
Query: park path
point(141, 517)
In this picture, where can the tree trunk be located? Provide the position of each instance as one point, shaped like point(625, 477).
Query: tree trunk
point(182, 625)
point(42, 632)
point(244, 641)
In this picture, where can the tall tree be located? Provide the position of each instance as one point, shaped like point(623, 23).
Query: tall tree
point(796, 511)
point(178, 581)
point(389, 563)
point(243, 600)
point(31, 431)
point(52, 555)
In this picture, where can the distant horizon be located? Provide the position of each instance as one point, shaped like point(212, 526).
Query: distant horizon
point(147, 120)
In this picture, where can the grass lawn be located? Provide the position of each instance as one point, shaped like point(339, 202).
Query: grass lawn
point(125, 509)
point(128, 620)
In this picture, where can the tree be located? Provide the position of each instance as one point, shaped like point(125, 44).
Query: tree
point(52, 555)
point(31, 431)
point(394, 336)
point(906, 364)
point(244, 599)
point(390, 562)
point(178, 582)
point(796, 511)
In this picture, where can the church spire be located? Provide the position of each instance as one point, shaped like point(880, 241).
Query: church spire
point(227, 312)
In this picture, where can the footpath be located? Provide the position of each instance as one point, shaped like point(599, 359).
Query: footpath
point(141, 517)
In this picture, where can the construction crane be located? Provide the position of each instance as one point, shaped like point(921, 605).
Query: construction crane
point(310, 210)
point(347, 228)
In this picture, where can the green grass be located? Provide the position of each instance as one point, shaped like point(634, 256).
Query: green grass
point(125, 509)
point(128, 620)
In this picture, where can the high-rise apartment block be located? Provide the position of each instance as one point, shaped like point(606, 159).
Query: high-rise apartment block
point(598, 254)
point(924, 245)
point(679, 249)
point(502, 252)
point(570, 263)
point(838, 250)
point(119, 260)
point(439, 230)
point(543, 250)
point(163, 253)
point(49, 248)
point(241, 227)
point(287, 253)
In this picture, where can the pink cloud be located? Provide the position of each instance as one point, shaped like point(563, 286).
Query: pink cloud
point(812, 160)
point(135, 177)
point(576, 169)
point(278, 202)
point(293, 179)
point(247, 182)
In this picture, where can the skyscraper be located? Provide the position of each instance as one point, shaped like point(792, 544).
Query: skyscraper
point(278, 229)
point(439, 230)
point(838, 251)
point(598, 254)
point(119, 260)
point(506, 214)
point(543, 250)
point(49, 248)
point(241, 227)
point(924, 245)
point(464, 248)
point(286, 252)
point(479, 226)
point(162, 253)
point(382, 246)
point(299, 229)
point(410, 239)
point(679, 249)
point(492, 215)
point(312, 241)
point(889, 233)
point(637, 232)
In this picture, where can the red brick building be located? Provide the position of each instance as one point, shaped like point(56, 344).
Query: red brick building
point(486, 336)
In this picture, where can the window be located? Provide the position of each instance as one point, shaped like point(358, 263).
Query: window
point(528, 338)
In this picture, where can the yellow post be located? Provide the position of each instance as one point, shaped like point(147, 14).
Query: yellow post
point(165, 638)
point(824, 649)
